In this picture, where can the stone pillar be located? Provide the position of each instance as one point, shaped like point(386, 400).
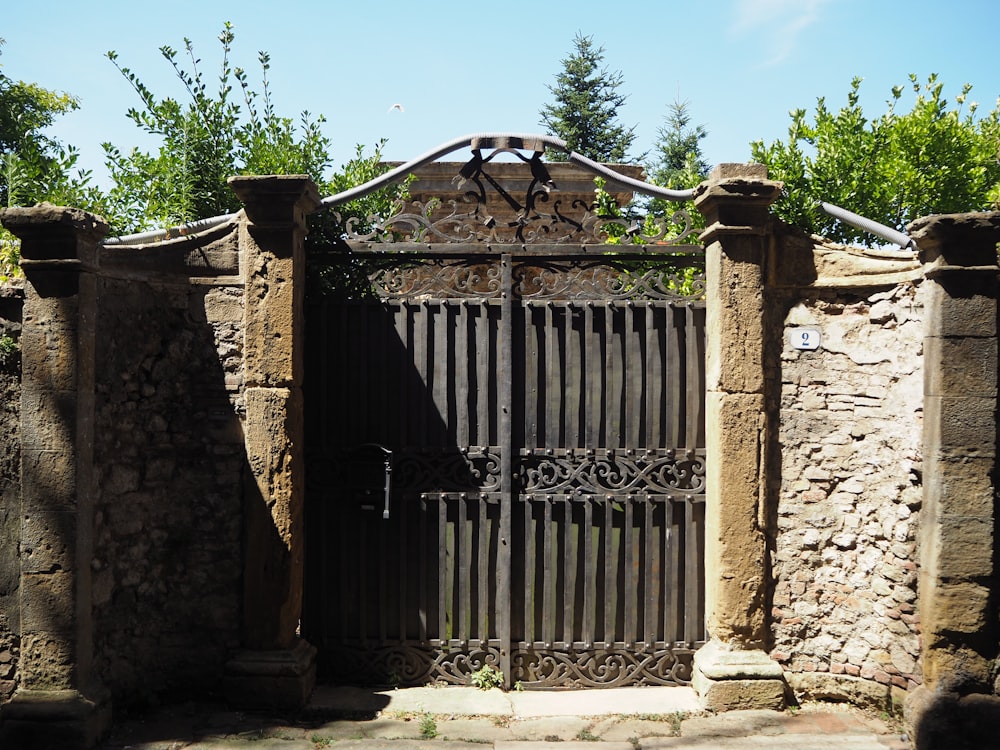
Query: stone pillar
point(733, 670)
point(59, 702)
point(958, 590)
point(275, 667)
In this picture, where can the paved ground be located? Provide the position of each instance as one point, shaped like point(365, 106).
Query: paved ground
point(468, 719)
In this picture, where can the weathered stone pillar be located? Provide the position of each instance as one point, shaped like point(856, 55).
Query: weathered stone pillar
point(733, 670)
point(958, 590)
point(59, 702)
point(275, 667)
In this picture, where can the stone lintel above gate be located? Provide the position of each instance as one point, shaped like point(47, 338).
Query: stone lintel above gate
point(733, 671)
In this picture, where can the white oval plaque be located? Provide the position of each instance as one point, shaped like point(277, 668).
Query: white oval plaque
point(804, 338)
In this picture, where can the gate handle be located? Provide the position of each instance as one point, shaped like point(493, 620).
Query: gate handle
point(388, 474)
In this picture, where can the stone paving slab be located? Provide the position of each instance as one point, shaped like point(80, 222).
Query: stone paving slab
point(398, 745)
point(776, 742)
point(581, 745)
point(635, 701)
point(263, 744)
point(543, 728)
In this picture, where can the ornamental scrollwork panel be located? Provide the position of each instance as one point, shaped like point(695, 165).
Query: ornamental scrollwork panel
point(438, 278)
point(613, 473)
point(458, 471)
point(407, 664)
point(606, 278)
point(469, 220)
point(670, 277)
point(601, 668)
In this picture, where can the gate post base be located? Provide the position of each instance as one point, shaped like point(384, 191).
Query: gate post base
point(282, 678)
point(728, 679)
point(45, 719)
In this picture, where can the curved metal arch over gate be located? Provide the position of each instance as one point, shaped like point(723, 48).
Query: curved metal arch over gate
point(525, 404)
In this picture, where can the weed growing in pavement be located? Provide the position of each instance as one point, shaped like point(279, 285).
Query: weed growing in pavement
point(428, 727)
point(487, 677)
point(675, 721)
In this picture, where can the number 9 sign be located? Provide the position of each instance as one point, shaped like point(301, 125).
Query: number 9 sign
point(804, 338)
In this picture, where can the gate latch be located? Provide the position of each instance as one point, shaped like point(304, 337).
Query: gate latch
point(371, 467)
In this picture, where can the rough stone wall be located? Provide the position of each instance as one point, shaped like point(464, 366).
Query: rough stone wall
point(169, 449)
point(11, 302)
point(845, 556)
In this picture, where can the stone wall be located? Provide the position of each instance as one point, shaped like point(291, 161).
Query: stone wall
point(11, 302)
point(844, 564)
point(170, 460)
point(157, 494)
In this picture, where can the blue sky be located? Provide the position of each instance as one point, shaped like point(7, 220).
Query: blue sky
point(461, 67)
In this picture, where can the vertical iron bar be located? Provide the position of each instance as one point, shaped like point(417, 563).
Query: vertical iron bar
point(573, 400)
point(530, 593)
point(420, 375)
point(378, 374)
point(349, 353)
point(594, 368)
point(360, 399)
point(674, 387)
point(696, 376)
point(403, 512)
point(650, 548)
point(463, 566)
point(610, 564)
point(590, 572)
point(401, 325)
point(463, 375)
point(671, 557)
point(505, 386)
point(344, 571)
point(569, 555)
point(423, 572)
point(548, 576)
point(363, 583)
point(402, 439)
point(532, 383)
point(482, 573)
point(554, 394)
point(632, 357)
point(630, 591)
point(442, 365)
point(445, 569)
point(692, 558)
point(612, 397)
point(692, 417)
point(651, 391)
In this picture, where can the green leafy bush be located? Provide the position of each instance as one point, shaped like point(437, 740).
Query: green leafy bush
point(897, 167)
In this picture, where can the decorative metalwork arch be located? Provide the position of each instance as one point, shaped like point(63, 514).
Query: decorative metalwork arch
point(539, 215)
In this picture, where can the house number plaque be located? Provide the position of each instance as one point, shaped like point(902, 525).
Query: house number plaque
point(804, 338)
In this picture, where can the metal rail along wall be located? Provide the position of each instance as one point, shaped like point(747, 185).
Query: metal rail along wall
point(536, 411)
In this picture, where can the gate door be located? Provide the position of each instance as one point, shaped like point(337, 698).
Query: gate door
point(544, 419)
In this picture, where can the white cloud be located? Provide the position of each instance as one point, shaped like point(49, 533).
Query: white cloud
point(778, 25)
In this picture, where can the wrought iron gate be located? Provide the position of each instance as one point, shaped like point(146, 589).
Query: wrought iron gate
point(543, 409)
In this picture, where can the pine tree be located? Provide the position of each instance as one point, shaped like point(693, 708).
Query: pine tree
point(680, 162)
point(585, 111)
